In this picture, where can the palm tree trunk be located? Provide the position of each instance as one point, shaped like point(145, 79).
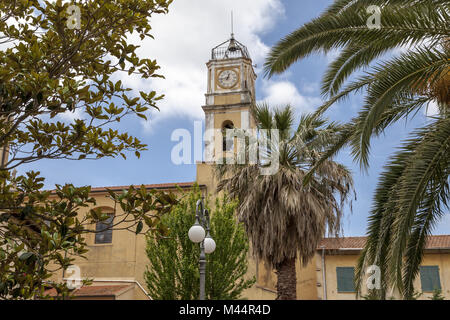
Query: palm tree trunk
point(286, 280)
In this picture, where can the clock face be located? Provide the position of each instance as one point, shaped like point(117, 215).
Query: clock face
point(228, 79)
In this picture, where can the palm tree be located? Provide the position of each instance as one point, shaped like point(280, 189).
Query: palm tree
point(285, 219)
point(413, 191)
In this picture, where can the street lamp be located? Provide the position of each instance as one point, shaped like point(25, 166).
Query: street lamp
point(197, 234)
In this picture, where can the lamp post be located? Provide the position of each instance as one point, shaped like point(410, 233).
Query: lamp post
point(197, 234)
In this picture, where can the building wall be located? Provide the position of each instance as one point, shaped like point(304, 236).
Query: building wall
point(443, 261)
point(350, 260)
point(265, 287)
point(124, 259)
point(117, 260)
point(331, 263)
point(227, 99)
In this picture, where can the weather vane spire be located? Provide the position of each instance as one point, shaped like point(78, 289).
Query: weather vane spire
point(232, 28)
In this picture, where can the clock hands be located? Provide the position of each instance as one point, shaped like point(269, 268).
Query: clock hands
point(227, 77)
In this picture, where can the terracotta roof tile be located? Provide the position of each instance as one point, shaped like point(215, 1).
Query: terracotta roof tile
point(434, 242)
point(148, 186)
point(94, 291)
point(438, 242)
point(341, 243)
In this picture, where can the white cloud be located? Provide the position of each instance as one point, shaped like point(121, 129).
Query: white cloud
point(71, 116)
point(5, 46)
point(182, 46)
point(332, 55)
point(285, 92)
point(432, 109)
point(10, 22)
point(310, 87)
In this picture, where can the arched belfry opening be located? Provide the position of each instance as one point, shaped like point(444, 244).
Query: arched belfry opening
point(227, 145)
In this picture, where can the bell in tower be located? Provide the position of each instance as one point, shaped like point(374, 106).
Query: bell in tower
point(233, 46)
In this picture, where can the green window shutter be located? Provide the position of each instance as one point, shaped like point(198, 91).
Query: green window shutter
point(429, 278)
point(345, 279)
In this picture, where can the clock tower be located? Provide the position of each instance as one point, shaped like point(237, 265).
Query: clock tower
point(230, 95)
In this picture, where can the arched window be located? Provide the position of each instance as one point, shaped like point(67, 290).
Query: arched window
point(227, 125)
point(103, 230)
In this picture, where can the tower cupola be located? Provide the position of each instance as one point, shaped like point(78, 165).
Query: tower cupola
point(230, 49)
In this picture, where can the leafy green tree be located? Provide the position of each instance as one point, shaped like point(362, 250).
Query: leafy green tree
point(284, 218)
point(413, 191)
point(173, 271)
point(61, 58)
point(437, 295)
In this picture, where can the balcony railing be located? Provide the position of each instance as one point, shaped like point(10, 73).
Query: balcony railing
point(230, 49)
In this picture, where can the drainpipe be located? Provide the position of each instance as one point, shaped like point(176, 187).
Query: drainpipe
point(324, 279)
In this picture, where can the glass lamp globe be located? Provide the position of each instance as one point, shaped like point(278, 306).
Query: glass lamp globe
point(210, 245)
point(196, 233)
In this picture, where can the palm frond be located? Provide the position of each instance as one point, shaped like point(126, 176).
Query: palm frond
point(414, 186)
point(407, 71)
point(284, 119)
point(263, 116)
point(406, 24)
point(428, 164)
point(407, 204)
point(351, 88)
point(285, 219)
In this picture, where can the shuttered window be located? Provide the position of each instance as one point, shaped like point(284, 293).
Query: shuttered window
point(345, 279)
point(103, 231)
point(429, 278)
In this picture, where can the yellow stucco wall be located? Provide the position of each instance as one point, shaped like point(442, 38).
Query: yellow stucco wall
point(118, 260)
point(227, 99)
point(442, 260)
point(122, 260)
point(125, 260)
point(331, 263)
point(306, 281)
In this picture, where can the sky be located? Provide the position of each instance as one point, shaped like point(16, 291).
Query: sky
point(182, 46)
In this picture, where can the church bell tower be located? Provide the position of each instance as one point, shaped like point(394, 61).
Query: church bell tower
point(229, 97)
point(231, 90)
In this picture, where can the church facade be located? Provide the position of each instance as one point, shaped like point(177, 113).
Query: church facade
point(116, 261)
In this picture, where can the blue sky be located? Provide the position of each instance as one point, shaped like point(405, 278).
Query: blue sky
point(183, 42)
